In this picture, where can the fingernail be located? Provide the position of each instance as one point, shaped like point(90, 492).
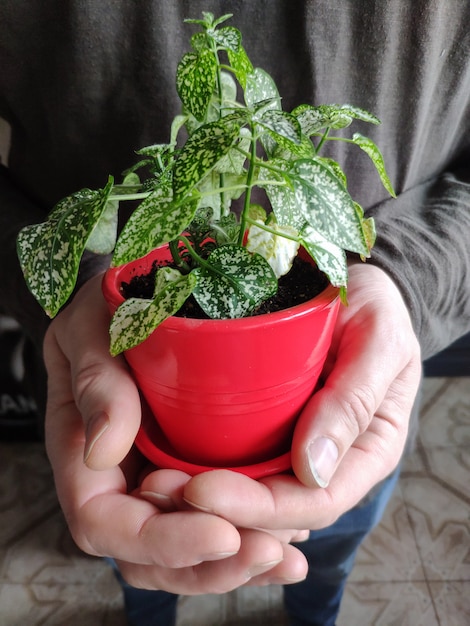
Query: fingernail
point(260, 568)
point(161, 500)
point(322, 457)
point(96, 427)
point(277, 580)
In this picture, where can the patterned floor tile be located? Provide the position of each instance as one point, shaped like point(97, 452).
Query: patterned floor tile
point(441, 525)
point(452, 602)
point(59, 605)
point(390, 552)
point(445, 418)
point(388, 604)
point(27, 492)
point(414, 570)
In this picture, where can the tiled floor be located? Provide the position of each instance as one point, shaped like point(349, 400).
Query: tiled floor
point(414, 570)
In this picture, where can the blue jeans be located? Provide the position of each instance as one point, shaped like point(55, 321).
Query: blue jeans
point(313, 602)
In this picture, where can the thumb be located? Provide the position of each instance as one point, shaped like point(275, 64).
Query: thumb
point(364, 407)
point(86, 383)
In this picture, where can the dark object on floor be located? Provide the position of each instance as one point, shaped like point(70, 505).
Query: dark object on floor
point(19, 417)
point(453, 361)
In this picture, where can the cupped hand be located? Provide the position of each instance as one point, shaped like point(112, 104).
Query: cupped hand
point(352, 432)
point(93, 415)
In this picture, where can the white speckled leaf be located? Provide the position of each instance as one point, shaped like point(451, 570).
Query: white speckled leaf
point(330, 259)
point(137, 318)
point(327, 206)
point(50, 252)
point(206, 146)
point(237, 282)
point(376, 157)
point(241, 65)
point(157, 220)
point(278, 251)
point(228, 37)
point(195, 81)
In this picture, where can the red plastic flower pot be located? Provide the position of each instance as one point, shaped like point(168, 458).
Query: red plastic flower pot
point(226, 393)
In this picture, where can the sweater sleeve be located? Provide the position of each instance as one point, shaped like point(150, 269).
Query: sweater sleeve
point(424, 245)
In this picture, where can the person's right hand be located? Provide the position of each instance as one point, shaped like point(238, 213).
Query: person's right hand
point(93, 414)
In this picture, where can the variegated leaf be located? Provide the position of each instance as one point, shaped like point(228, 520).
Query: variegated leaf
point(157, 220)
point(103, 237)
point(278, 251)
point(313, 119)
point(202, 151)
point(228, 37)
point(282, 124)
point(195, 81)
point(330, 259)
point(50, 252)
point(282, 198)
point(235, 283)
point(241, 64)
point(376, 157)
point(137, 318)
point(261, 87)
point(327, 206)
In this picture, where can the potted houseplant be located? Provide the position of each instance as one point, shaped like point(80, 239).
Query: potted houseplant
point(224, 379)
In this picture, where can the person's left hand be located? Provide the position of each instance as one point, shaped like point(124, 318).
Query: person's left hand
point(351, 434)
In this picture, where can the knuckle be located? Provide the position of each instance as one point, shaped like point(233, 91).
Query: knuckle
point(86, 380)
point(358, 409)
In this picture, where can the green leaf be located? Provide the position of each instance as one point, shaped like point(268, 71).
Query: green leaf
point(330, 259)
point(216, 108)
point(137, 318)
point(228, 37)
point(234, 282)
point(376, 157)
point(282, 198)
point(50, 252)
point(261, 93)
point(278, 250)
point(202, 151)
point(211, 196)
point(282, 124)
point(233, 162)
point(315, 118)
point(240, 64)
point(327, 206)
point(103, 237)
point(195, 81)
point(157, 220)
point(260, 87)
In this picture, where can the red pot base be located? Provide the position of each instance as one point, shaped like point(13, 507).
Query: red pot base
point(155, 447)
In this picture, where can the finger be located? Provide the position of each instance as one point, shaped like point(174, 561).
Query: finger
point(165, 489)
point(260, 555)
point(105, 520)
point(376, 369)
point(343, 410)
point(81, 371)
point(292, 569)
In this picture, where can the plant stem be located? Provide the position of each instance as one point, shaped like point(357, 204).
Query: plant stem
point(129, 196)
point(181, 265)
point(278, 233)
point(249, 185)
point(322, 140)
point(221, 95)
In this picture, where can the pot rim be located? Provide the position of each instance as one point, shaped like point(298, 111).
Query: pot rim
point(112, 293)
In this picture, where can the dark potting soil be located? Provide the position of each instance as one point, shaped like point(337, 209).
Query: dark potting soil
point(302, 283)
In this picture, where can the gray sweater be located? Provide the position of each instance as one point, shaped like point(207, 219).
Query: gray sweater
point(85, 83)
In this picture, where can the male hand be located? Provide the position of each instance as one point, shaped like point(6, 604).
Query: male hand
point(352, 432)
point(93, 415)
